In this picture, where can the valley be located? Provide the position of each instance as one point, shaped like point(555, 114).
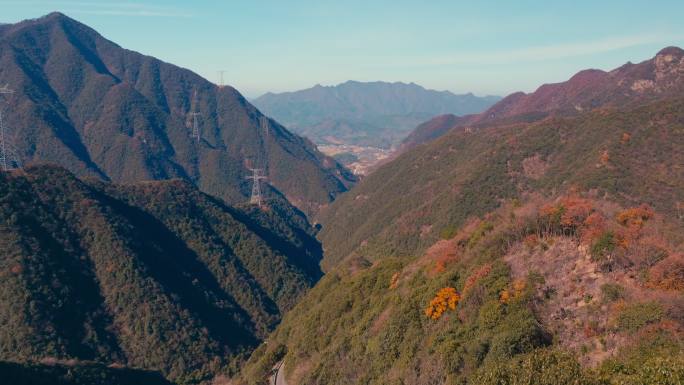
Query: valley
point(358, 159)
point(362, 122)
point(157, 228)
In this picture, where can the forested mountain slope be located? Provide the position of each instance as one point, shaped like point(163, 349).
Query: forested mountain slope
point(154, 275)
point(85, 103)
point(631, 155)
point(549, 252)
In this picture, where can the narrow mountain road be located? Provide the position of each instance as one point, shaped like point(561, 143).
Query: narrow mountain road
point(278, 377)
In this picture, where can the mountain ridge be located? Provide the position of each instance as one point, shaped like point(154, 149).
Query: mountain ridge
point(154, 275)
point(364, 113)
point(659, 76)
point(85, 103)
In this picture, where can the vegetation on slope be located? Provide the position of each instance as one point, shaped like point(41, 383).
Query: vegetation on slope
point(631, 156)
point(155, 275)
point(533, 304)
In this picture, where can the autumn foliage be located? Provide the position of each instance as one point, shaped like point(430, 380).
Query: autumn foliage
point(635, 216)
point(668, 275)
point(516, 291)
point(446, 299)
point(394, 281)
point(477, 275)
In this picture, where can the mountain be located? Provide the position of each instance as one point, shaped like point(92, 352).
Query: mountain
point(545, 249)
point(630, 84)
point(85, 103)
point(405, 205)
point(154, 275)
point(375, 114)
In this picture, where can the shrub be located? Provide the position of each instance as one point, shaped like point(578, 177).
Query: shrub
point(479, 233)
point(542, 367)
point(603, 246)
point(448, 232)
point(446, 299)
point(635, 216)
point(611, 292)
point(635, 316)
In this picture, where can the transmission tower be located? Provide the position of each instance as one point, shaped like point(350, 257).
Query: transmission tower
point(8, 154)
point(256, 178)
point(195, 123)
point(195, 126)
point(220, 73)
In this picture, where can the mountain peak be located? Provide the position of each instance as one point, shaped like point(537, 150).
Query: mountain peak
point(157, 96)
point(672, 50)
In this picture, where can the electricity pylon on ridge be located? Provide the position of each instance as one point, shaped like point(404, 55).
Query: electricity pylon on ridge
point(256, 177)
point(8, 154)
point(220, 73)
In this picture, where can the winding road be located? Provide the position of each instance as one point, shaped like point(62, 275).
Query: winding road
point(278, 377)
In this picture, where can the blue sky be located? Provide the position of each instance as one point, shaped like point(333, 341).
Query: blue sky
point(485, 47)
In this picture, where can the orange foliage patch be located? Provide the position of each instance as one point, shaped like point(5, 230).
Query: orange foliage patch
point(446, 299)
point(625, 138)
point(571, 210)
point(443, 261)
point(477, 275)
point(632, 220)
point(635, 216)
point(576, 210)
point(394, 282)
point(668, 274)
point(505, 296)
point(518, 287)
point(594, 226)
point(516, 291)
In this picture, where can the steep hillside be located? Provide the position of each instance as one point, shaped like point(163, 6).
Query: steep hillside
point(632, 155)
point(573, 290)
point(537, 248)
point(659, 77)
point(376, 114)
point(97, 109)
point(155, 275)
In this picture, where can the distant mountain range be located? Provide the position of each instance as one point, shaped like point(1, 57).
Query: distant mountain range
point(377, 114)
point(627, 85)
point(153, 275)
point(85, 103)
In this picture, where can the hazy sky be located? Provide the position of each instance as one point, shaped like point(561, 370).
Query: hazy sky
point(484, 47)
